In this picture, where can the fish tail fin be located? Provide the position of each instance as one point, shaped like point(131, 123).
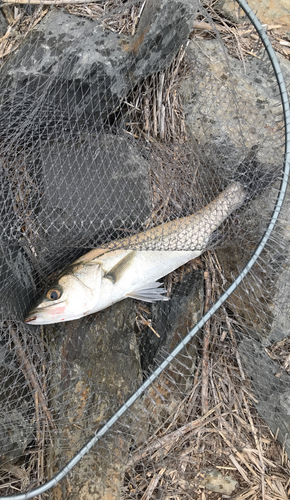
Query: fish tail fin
point(253, 175)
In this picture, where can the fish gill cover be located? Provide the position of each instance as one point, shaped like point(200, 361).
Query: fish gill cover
point(116, 118)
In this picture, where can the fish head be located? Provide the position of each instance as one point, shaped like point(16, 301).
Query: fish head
point(72, 296)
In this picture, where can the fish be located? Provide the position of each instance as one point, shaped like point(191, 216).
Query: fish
point(133, 266)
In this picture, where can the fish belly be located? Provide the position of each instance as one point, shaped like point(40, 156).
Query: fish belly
point(149, 266)
point(146, 267)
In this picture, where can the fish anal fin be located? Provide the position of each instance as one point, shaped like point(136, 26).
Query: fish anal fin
point(118, 270)
point(151, 292)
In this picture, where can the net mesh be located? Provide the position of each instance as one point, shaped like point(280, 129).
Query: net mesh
point(117, 117)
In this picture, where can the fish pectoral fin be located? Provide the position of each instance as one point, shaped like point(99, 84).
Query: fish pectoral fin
point(118, 270)
point(149, 293)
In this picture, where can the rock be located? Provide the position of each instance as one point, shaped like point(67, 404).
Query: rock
point(280, 259)
point(267, 11)
point(272, 391)
point(163, 28)
point(9, 220)
point(18, 285)
point(3, 25)
point(215, 481)
point(97, 367)
point(222, 102)
point(173, 320)
point(16, 432)
point(70, 73)
point(231, 10)
point(95, 187)
point(228, 107)
point(272, 12)
point(17, 427)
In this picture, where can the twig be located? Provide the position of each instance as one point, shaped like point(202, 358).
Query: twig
point(240, 469)
point(155, 130)
point(162, 121)
point(30, 374)
point(173, 436)
point(254, 431)
point(206, 342)
point(202, 25)
point(11, 47)
point(205, 364)
point(152, 485)
point(238, 358)
point(146, 113)
point(147, 322)
point(159, 97)
point(174, 74)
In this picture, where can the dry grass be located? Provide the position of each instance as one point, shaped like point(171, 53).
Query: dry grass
point(241, 39)
point(215, 426)
point(154, 109)
point(117, 16)
point(230, 437)
point(30, 469)
point(20, 24)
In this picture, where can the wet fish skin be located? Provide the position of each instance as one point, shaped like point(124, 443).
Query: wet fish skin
point(131, 267)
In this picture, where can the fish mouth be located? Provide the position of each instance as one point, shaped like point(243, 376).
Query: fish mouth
point(48, 306)
point(30, 318)
point(39, 309)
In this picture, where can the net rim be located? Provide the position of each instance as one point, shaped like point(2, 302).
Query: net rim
point(275, 214)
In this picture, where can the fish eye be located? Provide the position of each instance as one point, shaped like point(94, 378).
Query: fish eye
point(53, 294)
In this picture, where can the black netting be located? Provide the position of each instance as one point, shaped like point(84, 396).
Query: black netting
point(153, 135)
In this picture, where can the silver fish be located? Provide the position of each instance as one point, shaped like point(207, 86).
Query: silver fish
point(131, 267)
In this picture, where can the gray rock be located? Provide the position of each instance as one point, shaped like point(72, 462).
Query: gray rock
point(173, 319)
point(97, 367)
point(93, 186)
point(163, 28)
point(17, 428)
point(8, 219)
point(17, 433)
point(73, 72)
point(215, 481)
point(231, 10)
point(277, 12)
point(3, 25)
point(229, 106)
point(18, 286)
point(280, 260)
point(271, 391)
point(280, 327)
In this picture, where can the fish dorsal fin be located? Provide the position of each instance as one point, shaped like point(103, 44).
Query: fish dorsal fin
point(151, 292)
point(118, 270)
point(92, 254)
